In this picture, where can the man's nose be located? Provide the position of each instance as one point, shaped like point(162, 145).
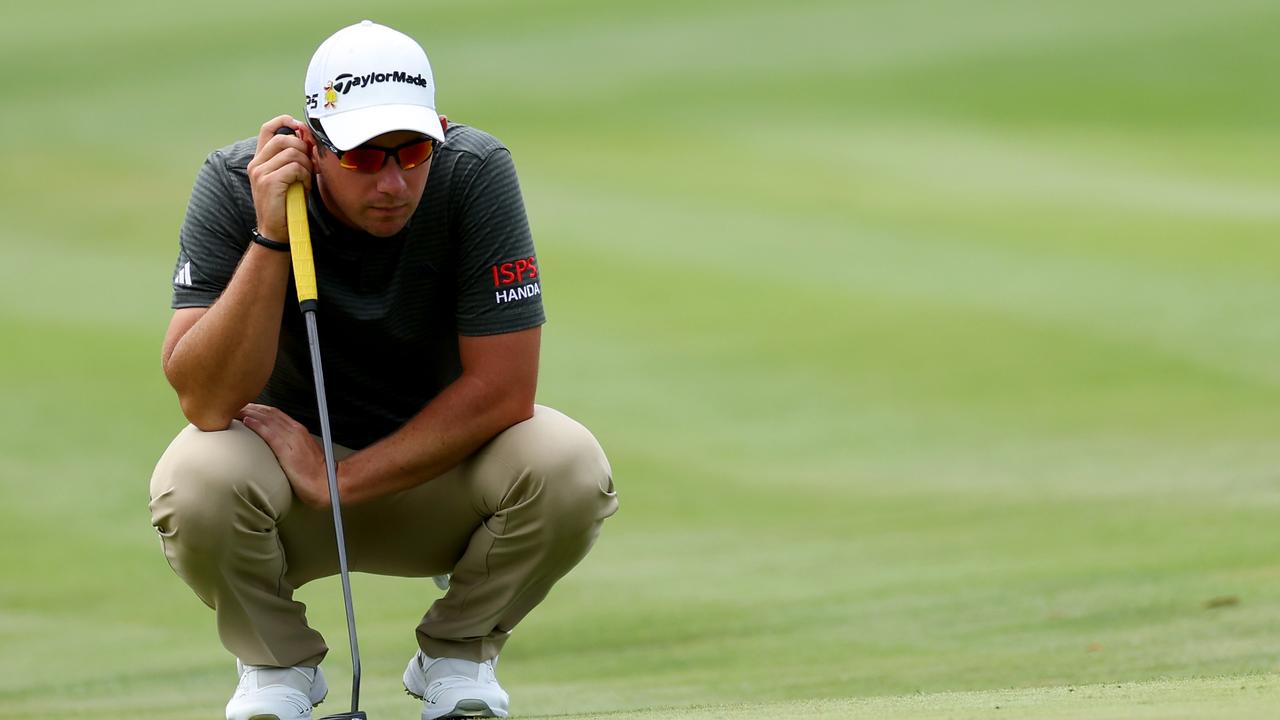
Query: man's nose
point(391, 178)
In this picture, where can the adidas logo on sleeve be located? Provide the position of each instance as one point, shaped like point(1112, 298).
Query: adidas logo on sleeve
point(183, 278)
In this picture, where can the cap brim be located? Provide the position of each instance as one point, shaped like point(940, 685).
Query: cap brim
point(355, 127)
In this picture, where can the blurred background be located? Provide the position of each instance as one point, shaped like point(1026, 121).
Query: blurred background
point(932, 343)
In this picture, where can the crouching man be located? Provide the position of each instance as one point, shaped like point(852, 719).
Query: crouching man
point(432, 313)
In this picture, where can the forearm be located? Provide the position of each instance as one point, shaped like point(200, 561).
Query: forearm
point(467, 414)
point(224, 359)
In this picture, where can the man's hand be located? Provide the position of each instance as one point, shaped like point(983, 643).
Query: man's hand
point(300, 456)
point(278, 162)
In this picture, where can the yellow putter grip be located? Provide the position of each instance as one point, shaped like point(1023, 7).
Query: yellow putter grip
point(304, 267)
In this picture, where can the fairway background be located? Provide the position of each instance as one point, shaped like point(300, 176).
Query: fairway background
point(934, 344)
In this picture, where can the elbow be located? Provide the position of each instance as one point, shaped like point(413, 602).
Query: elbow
point(521, 413)
point(518, 408)
point(201, 410)
point(204, 417)
point(210, 426)
point(505, 406)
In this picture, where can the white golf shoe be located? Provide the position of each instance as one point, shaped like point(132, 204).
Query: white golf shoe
point(452, 688)
point(276, 693)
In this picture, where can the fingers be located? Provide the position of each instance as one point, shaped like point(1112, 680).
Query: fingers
point(255, 410)
point(258, 421)
point(266, 413)
point(268, 422)
point(278, 162)
point(284, 165)
point(269, 128)
point(281, 152)
point(300, 457)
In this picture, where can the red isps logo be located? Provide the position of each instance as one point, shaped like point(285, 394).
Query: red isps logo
point(512, 273)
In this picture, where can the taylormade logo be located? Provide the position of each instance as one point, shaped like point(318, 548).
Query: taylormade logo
point(344, 82)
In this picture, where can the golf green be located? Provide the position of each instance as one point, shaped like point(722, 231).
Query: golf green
point(933, 345)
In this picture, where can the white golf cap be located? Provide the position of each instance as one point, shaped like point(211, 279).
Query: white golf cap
point(368, 79)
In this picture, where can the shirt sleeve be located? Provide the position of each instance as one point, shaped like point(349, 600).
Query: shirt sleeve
point(499, 283)
point(212, 239)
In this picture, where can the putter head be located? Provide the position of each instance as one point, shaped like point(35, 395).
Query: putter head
point(357, 715)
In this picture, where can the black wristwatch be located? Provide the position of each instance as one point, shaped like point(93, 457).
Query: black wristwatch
point(269, 244)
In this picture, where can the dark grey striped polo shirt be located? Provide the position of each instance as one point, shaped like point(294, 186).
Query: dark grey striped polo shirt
point(390, 308)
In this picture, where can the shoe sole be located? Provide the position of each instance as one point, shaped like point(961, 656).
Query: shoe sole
point(464, 708)
point(273, 716)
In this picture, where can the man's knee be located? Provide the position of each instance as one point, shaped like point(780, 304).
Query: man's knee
point(208, 483)
point(571, 471)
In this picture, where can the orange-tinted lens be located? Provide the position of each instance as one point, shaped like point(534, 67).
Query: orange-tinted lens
point(365, 160)
point(371, 160)
point(413, 155)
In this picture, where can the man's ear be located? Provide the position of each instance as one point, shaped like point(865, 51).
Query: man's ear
point(304, 132)
point(314, 149)
point(444, 124)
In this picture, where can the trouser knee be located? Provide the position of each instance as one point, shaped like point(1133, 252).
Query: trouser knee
point(567, 471)
point(209, 486)
point(579, 490)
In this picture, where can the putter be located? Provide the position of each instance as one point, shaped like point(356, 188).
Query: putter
point(304, 275)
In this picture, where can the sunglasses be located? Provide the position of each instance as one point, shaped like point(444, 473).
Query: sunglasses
point(371, 158)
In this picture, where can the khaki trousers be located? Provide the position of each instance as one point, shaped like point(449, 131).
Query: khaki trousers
point(508, 522)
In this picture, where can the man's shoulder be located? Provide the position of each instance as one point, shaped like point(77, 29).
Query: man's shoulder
point(223, 180)
point(225, 171)
point(470, 142)
point(234, 158)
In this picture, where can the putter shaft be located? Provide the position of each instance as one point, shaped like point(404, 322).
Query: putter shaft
point(313, 337)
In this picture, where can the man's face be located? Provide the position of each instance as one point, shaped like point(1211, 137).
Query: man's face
point(378, 203)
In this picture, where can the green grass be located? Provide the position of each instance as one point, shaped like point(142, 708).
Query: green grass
point(933, 346)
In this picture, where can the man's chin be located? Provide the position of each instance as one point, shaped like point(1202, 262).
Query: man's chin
point(385, 226)
point(383, 232)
